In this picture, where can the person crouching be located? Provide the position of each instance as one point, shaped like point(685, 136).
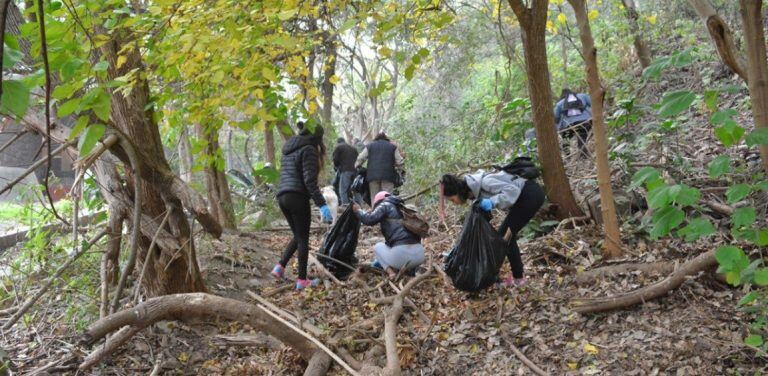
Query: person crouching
point(402, 249)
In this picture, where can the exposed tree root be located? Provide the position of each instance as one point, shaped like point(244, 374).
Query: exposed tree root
point(528, 363)
point(130, 321)
point(697, 264)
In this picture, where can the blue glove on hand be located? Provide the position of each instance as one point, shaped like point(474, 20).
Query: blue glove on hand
point(486, 205)
point(326, 214)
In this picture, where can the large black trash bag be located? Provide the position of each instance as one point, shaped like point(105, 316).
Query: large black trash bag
point(474, 262)
point(361, 187)
point(340, 244)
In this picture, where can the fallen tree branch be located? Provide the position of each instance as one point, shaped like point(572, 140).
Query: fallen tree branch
point(699, 263)
point(528, 363)
point(589, 276)
point(28, 304)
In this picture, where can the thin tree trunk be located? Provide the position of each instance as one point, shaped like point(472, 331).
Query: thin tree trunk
point(612, 243)
point(185, 156)
point(757, 67)
point(641, 47)
point(327, 86)
point(269, 145)
point(721, 36)
point(217, 187)
point(533, 25)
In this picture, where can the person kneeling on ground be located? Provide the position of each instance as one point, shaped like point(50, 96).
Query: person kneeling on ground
point(402, 249)
point(520, 197)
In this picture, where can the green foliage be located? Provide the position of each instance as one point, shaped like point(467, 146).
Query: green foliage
point(675, 102)
point(15, 98)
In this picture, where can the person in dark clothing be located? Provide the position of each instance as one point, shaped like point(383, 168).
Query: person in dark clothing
point(521, 199)
point(573, 116)
point(301, 162)
point(359, 144)
point(344, 157)
point(401, 249)
point(384, 161)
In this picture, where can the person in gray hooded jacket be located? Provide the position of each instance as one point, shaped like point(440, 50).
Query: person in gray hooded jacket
point(521, 199)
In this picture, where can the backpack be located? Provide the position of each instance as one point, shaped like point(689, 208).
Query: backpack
point(413, 222)
point(522, 167)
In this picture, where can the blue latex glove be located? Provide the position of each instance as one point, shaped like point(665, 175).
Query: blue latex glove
point(486, 205)
point(326, 214)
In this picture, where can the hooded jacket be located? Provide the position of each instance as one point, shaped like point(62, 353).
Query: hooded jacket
point(563, 120)
point(344, 157)
point(299, 167)
point(501, 188)
point(389, 218)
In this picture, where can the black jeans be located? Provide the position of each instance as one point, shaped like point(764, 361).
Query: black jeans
point(298, 213)
point(530, 200)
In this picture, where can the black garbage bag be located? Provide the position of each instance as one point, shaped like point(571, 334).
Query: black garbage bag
point(340, 244)
point(474, 262)
point(361, 187)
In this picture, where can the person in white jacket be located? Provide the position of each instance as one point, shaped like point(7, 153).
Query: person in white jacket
point(521, 199)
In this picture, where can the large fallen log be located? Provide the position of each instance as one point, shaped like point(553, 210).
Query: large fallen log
point(699, 263)
point(589, 276)
point(184, 307)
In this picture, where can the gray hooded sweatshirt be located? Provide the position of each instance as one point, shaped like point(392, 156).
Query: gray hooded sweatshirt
point(501, 188)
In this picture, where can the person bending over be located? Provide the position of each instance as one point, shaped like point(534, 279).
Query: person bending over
point(521, 199)
point(402, 249)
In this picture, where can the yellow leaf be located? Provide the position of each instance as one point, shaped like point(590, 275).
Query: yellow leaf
point(183, 357)
point(120, 61)
point(269, 74)
point(333, 79)
point(651, 19)
point(550, 26)
point(558, 2)
point(573, 365)
point(562, 19)
point(312, 107)
point(590, 349)
point(592, 15)
point(385, 51)
point(474, 349)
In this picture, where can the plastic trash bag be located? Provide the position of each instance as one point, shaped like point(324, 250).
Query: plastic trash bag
point(340, 244)
point(474, 262)
point(360, 186)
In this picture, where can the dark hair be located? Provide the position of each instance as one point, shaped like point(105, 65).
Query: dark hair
point(454, 186)
point(340, 140)
point(565, 93)
point(381, 136)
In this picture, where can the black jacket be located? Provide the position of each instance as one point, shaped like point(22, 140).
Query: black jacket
point(381, 161)
point(389, 217)
point(299, 167)
point(344, 157)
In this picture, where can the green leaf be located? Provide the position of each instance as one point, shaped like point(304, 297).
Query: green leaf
point(719, 166)
point(409, 70)
point(68, 107)
point(761, 238)
point(644, 175)
point(762, 185)
point(89, 139)
point(731, 258)
point(79, 127)
point(101, 66)
point(754, 340)
point(758, 137)
point(719, 117)
point(729, 134)
point(696, 228)
point(738, 192)
point(11, 57)
point(654, 70)
point(743, 217)
point(761, 277)
point(749, 298)
point(684, 195)
point(15, 98)
point(676, 102)
point(659, 197)
point(710, 99)
point(69, 68)
point(666, 220)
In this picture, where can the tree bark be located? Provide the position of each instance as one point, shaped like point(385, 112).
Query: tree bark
point(612, 242)
point(269, 145)
point(217, 187)
point(327, 86)
point(185, 157)
point(641, 47)
point(533, 25)
point(721, 36)
point(757, 67)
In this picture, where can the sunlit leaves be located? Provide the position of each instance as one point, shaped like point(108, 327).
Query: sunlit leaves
point(92, 135)
point(15, 99)
point(675, 102)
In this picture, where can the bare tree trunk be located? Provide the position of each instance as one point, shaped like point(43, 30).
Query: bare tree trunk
point(217, 187)
point(641, 47)
point(269, 145)
point(533, 25)
point(612, 243)
point(327, 86)
point(721, 37)
point(757, 67)
point(185, 156)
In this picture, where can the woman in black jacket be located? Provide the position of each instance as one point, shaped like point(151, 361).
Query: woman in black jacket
point(402, 249)
point(299, 167)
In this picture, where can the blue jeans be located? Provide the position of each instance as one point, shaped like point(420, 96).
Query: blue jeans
point(345, 181)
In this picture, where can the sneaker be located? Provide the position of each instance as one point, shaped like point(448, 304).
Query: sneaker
point(278, 271)
point(520, 282)
point(513, 282)
point(301, 284)
point(376, 264)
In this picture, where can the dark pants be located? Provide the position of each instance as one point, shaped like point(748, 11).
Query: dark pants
point(530, 200)
point(298, 213)
point(345, 181)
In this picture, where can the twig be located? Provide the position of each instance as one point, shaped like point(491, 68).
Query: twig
point(28, 304)
point(530, 364)
point(34, 167)
point(18, 135)
point(324, 270)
